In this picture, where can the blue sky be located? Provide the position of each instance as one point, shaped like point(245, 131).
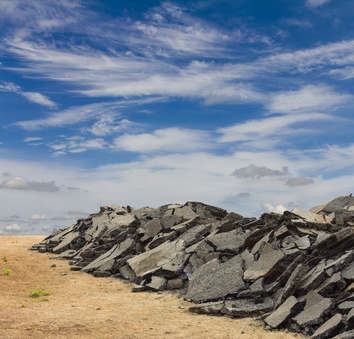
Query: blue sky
point(246, 105)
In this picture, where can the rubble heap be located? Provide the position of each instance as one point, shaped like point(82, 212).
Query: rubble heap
point(294, 270)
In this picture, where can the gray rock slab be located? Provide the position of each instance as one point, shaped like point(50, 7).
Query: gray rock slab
point(348, 272)
point(185, 212)
point(291, 284)
point(207, 308)
point(282, 313)
point(160, 239)
point(66, 241)
point(345, 335)
point(195, 234)
point(149, 262)
point(127, 273)
point(266, 262)
point(334, 282)
point(255, 289)
point(346, 306)
point(215, 280)
point(150, 229)
point(157, 283)
point(248, 259)
point(174, 284)
point(328, 328)
point(303, 242)
point(247, 307)
point(316, 307)
point(106, 261)
point(230, 242)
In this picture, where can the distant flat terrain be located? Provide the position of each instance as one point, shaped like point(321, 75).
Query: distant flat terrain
point(81, 306)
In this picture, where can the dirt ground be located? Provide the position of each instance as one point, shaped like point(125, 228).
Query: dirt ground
point(81, 306)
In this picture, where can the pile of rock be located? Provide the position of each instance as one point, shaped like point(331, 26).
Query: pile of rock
point(295, 270)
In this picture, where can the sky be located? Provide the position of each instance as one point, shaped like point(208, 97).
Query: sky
point(244, 105)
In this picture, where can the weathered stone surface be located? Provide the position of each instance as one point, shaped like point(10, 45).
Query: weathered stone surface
point(230, 242)
point(150, 229)
point(247, 307)
point(106, 261)
point(348, 272)
point(328, 328)
point(345, 335)
point(149, 262)
point(316, 307)
point(66, 241)
point(215, 280)
point(157, 283)
point(207, 308)
point(334, 282)
point(268, 259)
point(174, 284)
point(283, 313)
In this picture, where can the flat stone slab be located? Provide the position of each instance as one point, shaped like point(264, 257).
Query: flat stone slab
point(345, 335)
point(283, 313)
point(316, 306)
point(149, 262)
point(328, 328)
point(215, 280)
point(207, 308)
point(66, 242)
point(106, 261)
point(230, 242)
point(268, 259)
point(247, 307)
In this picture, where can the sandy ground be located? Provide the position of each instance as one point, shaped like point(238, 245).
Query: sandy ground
point(81, 306)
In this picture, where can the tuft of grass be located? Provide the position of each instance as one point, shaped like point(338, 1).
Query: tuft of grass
point(4, 258)
point(22, 306)
point(39, 293)
point(7, 271)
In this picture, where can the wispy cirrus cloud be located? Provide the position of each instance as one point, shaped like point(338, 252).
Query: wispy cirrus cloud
point(317, 3)
point(310, 98)
point(164, 140)
point(34, 97)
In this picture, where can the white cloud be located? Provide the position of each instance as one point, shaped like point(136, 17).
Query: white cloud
point(31, 139)
point(299, 181)
point(77, 114)
point(21, 183)
point(308, 99)
point(253, 171)
point(30, 96)
point(38, 217)
point(277, 209)
point(263, 133)
point(164, 140)
point(316, 3)
point(12, 228)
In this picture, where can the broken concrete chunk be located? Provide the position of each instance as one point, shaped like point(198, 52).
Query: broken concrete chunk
point(328, 328)
point(230, 242)
point(207, 308)
point(66, 242)
point(147, 262)
point(247, 307)
point(150, 229)
point(157, 283)
point(303, 242)
point(316, 307)
point(283, 313)
point(266, 262)
point(214, 280)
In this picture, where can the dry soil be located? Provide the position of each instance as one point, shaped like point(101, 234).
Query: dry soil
point(81, 306)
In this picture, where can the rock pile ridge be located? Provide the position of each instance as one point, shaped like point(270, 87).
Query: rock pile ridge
point(294, 270)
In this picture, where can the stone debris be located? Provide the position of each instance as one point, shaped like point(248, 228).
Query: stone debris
point(293, 270)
